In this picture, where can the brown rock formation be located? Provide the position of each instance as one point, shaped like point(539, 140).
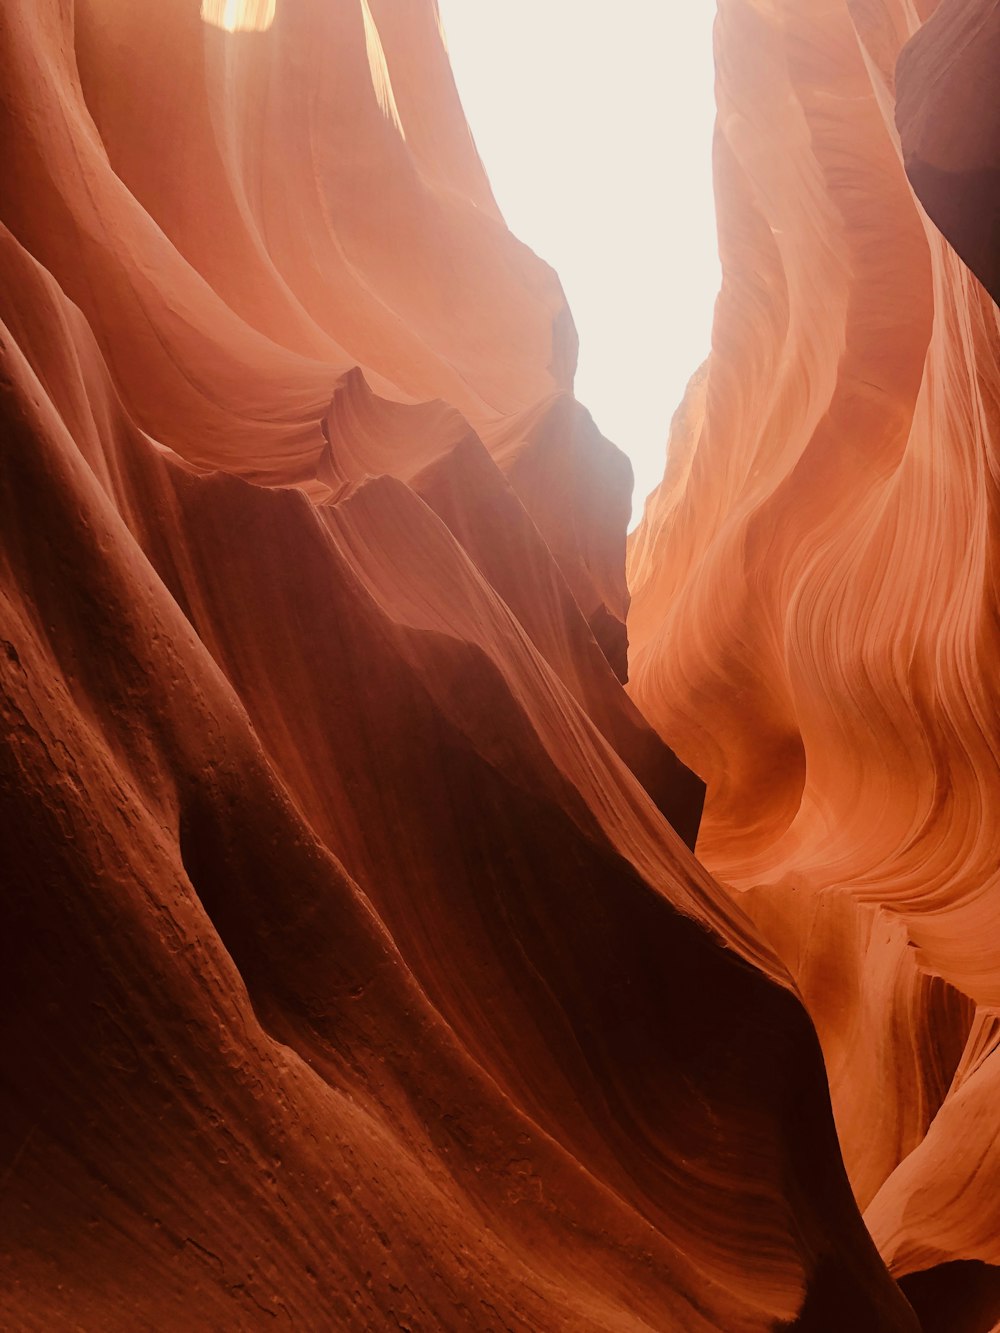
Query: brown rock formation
point(949, 121)
point(815, 601)
point(358, 972)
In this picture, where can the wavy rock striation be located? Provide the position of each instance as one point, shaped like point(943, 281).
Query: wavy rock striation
point(814, 621)
point(359, 974)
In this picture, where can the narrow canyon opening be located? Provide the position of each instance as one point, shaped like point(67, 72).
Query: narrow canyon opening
point(595, 127)
point(426, 904)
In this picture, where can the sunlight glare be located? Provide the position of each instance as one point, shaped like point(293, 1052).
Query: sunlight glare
point(239, 15)
point(595, 125)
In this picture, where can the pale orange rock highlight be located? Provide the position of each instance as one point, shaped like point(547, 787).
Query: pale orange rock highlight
point(814, 620)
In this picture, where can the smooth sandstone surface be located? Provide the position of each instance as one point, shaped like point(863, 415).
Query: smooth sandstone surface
point(358, 972)
point(814, 624)
point(358, 977)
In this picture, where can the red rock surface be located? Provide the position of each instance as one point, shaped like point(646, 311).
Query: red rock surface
point(814, 622)
point(358, 973)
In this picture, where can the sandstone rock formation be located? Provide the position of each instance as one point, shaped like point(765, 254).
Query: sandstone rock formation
point(358, 970)
point(949, 121)
point(815, 623)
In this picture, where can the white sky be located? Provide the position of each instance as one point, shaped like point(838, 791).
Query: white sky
point(594, 121)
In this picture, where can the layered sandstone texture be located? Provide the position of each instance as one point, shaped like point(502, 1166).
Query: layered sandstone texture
point(359, 974)
point(814, 624)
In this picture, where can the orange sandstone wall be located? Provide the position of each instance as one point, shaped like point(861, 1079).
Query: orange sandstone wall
point(814, 622)
point(358, 974)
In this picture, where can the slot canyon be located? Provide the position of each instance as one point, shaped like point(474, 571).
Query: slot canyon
point(426, 906)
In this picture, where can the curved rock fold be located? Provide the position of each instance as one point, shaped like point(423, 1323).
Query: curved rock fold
point(360, 973)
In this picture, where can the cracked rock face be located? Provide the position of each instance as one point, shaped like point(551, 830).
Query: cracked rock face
point(358, 970)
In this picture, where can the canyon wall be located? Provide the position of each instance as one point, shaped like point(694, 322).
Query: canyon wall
point(358, 971)
point(814, 622)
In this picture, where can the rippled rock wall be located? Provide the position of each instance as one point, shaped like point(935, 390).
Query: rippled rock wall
point(814, 621)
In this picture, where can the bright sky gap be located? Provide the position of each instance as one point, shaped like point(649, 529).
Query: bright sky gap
point(594, 123)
